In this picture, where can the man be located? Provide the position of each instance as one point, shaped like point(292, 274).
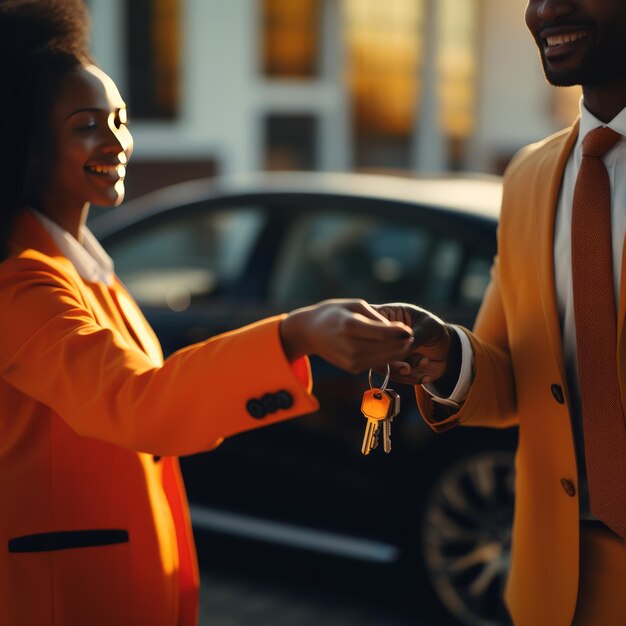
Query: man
point(548, 350)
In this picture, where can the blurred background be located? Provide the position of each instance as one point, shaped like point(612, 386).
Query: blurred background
point(294, 526)
point(223, 86)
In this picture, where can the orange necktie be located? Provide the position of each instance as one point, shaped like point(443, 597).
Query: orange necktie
point(604, 427)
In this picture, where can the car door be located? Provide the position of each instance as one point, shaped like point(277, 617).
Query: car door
point(333, 247)
point(205, 268)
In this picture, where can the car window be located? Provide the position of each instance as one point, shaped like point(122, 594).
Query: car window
point(474, 280)
point(199, 255)
point(333, 254)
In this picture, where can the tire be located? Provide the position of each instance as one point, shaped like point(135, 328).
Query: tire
point(460, 537)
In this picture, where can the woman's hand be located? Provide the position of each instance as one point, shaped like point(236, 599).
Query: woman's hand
point(347, 333)
point(436, 347)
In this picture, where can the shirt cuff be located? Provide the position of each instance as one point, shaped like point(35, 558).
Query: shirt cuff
point(461, 390)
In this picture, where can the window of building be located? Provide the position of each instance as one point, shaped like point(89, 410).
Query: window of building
point(457, 37)
point(153, 49)
point(290, 38)
point(384, 57)
point(386, 61)
point(290, 142)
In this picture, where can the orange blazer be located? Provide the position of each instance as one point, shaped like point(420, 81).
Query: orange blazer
point(94, 529)
point(520, 379)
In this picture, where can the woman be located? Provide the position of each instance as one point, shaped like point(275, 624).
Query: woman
point(94, 526)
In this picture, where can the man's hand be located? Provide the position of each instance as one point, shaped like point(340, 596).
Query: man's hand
point(436, 348)
point(347, 333)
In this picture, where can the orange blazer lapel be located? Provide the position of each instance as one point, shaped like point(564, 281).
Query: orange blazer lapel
point(29, 233)
point(137, 323)
point(544, 194)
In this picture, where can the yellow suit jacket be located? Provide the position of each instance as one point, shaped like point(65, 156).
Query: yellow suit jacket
point(94, 529)
point(520, 379)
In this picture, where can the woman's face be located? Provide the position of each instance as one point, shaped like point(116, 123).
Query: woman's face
point(91, 143)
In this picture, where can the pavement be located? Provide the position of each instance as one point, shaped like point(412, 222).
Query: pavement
point(251, 585)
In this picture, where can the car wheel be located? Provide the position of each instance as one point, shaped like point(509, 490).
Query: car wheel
point(462, 534)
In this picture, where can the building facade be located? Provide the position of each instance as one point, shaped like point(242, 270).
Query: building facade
point(225, 86)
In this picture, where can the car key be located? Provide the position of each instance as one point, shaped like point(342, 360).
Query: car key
point(394, 409)
point(376, 407)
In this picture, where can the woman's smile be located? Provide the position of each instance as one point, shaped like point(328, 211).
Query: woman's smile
point(113, 172)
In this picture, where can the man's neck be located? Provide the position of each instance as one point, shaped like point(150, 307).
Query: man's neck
point(605, 102)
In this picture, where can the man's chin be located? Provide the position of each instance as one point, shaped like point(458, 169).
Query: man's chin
point(557, 72)
point(588, 75)
point(563, 78)
point(563, 81)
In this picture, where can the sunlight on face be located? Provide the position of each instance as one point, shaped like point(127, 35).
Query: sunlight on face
point(91, 142)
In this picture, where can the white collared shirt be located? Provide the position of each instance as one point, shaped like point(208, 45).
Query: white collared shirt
point(92, 263)
point(615, 162)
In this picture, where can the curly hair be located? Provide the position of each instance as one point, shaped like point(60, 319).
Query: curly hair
point(41, 41)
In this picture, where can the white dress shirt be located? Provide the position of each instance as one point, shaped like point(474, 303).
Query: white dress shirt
point(615, 162)
point(92, 263)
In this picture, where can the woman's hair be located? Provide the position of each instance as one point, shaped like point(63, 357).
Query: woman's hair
point(41, 41)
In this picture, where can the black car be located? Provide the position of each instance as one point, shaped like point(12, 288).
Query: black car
point(207, 256)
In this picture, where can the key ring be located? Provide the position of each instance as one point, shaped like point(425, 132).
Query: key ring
point(385, 382)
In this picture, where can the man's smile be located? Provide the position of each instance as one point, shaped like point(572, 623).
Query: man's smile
point(557, 40)
point(562, 41)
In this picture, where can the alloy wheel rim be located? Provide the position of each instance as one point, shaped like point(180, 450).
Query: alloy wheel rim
point(466, 536)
